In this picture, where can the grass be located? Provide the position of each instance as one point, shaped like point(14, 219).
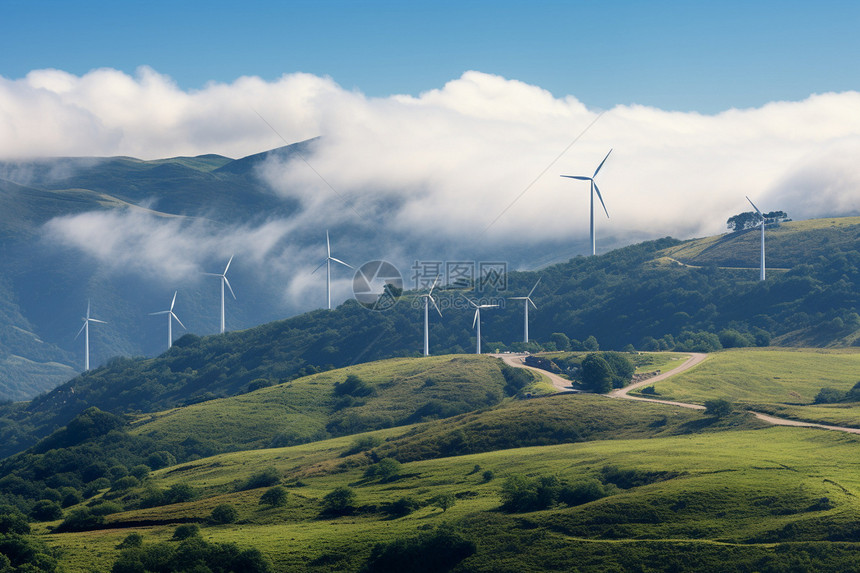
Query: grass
point(764, 376)
point(770, 493)
point(786, 244)
point(405, 391)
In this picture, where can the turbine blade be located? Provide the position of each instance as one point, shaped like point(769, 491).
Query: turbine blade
point(177, 320)
point(579, 177)
point(601, 199)
point(228, 264)
point(88, 309)
point(756, 208)
point(475, 320)
point(436, 280)
point(435, 306)
point(470, 301)
point(341, 262)
point(532, 302)
point(534, 287)
point(96, 320)
point(174, 299)
point(226, 282)
point(81, 330)
point(212, 274)
point(159, 312)
point(327, 245)
point(321, 265)
point(601, 164)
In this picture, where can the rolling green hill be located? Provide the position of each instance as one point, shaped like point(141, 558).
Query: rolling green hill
point(785, 501)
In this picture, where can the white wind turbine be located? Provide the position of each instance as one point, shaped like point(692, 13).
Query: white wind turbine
point(526, 301)
point(170, 316)
point(428, 299)
point(761, 222)
point(477, 319)
point(86, 330)
point(224, 281)
point(327, 263)
point(599, 196)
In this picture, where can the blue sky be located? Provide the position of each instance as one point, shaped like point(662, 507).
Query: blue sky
point(688, 56)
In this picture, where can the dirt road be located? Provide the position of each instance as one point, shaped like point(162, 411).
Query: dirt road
point(563, 385)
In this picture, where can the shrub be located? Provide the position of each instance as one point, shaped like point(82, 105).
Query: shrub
point(131, 540)
point(105, 508)
point(162, 459)
point(443, 501)
point(71, 497)
point(223, 514)
point(488, 475)
point(140, 471)
point(185, 531)
point(829, 396)
point(125, 483)
point(521, 493)
point(402, 506)
point(362, 444)
point(178, 493)
point(388, 469)
point(339, 501)
point(439, 550)
point(353, 386)
point(276, 497)
point(264, 478)
point(582, 492)
point(718, 408)
point(46, 510)
point(81, 520)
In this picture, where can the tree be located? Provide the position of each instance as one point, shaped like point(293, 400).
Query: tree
point(46, 510)
point(444, 501)
point(590, 344)
point(562, 342)
point(339, 501)
point(276, 497)
point(386, 470)
point(223, 514)
point(596, 374)
point(718, 408)
point(742, 221)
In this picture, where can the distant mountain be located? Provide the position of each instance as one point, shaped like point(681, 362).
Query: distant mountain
point(44, 287)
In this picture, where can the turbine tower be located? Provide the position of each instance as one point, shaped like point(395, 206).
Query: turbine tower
point(599, 196)
point(327, 262)
point(761, 222)
point(428, 299)
point(224, 281)
point(170, 316)
point(526, 301)
point(477, 319)
point(86, 330)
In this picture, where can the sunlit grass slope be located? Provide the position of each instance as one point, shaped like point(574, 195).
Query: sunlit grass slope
point(787, 245)
point(780, 381)
point(400, 391)
point(749, 489)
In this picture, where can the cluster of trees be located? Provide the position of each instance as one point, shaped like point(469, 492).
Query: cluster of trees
point(187, 551)
point(19, 550)
point(834, 396)
point(750, 219)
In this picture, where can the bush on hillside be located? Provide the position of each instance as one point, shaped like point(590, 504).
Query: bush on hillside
point(339, 501)
point(223, 514)
point(718, 408)
point(263, 478)
point(829, 396)
point(353, 386)
point(596, 374)
point(275, 497)
point(429, 552)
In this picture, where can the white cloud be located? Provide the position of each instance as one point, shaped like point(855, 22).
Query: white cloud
point(437, 169)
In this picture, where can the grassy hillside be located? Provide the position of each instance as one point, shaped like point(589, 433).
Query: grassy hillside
point(786, 245)
point(398, 391)
point(694, 495)
point(782, 381)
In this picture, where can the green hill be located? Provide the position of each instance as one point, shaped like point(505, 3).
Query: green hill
point(391, 393)
point(671, 503)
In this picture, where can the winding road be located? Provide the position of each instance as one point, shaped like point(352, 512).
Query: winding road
point(563, 385)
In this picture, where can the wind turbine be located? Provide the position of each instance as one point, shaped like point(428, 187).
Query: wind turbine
point(477, 319)
point(170, 316)
point(224, 281)
point(593, 189)
point(327, 263)
point(86, 330)
point(526, 301)
point(428, 298)
point(761, 222)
